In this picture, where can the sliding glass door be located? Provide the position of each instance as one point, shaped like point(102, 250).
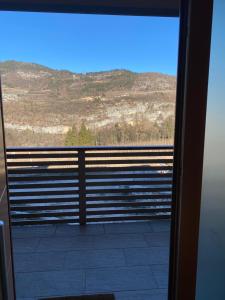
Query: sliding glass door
point(6, 265)
point(211, 258)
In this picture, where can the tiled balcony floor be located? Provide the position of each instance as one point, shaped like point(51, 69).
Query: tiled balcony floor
point(128, 259)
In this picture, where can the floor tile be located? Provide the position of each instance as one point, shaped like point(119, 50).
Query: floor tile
point(119, 241)
point(161, 225)
point(146, 256)
point(94, 259)
point(157, 239)
point(33, 231)
point(120, 279)
point(34, 262)
point(131, 227)
point(73, 230)
point(25, 244)
point(49, 283)
point(55, 244)
point(155, 294)
point(161, 274)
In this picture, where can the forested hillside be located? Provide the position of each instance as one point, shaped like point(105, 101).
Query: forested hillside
point(50, 107)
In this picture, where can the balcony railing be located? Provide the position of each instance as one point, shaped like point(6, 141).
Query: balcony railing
point(89, 184)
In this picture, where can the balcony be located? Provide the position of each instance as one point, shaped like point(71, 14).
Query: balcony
point(127, 259)
point(91, 220)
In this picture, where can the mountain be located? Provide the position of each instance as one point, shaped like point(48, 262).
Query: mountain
point(42, 104)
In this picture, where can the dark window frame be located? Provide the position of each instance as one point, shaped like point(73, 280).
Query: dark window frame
point(192, 86)
point(193, 65)
point(169, 8)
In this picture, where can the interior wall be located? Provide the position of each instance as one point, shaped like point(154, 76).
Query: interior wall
point(211, 258)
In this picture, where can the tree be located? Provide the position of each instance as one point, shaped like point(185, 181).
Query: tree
point(83, 137)
point(71, 137)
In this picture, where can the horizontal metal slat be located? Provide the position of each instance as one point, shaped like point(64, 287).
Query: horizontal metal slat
point(129, 204)
point(19, 208)
point(49, 200)
point(127, 162)
point(41, 178)
point(128, 154)
point(44, 214)
point(128, 197)
point(43, 149)
point(132, 183)
point(128, 168)
point(89, 148)
point(39, 193)
point(130, 175)
point(23, 222)
point(41, 170)
point(41, 163)
point(128, 190)
point(40, 155)
point(127, 218)
point(42, 185)
point(127, 211)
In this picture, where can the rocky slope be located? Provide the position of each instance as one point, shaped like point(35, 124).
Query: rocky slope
point(42, 104)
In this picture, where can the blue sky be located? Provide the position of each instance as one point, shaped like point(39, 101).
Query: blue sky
point(84, 43)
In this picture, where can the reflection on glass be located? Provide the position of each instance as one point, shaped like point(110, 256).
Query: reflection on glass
point(211, 266)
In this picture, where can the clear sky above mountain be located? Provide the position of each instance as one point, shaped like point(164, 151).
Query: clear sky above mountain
point(84, 43)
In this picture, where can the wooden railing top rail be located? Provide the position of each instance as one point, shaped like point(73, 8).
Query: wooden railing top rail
point(89, 148)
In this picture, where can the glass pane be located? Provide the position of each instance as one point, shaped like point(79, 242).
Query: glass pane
point(108, 82)
point(211, 265)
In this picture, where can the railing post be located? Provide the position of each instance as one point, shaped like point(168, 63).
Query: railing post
point(82, 186)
